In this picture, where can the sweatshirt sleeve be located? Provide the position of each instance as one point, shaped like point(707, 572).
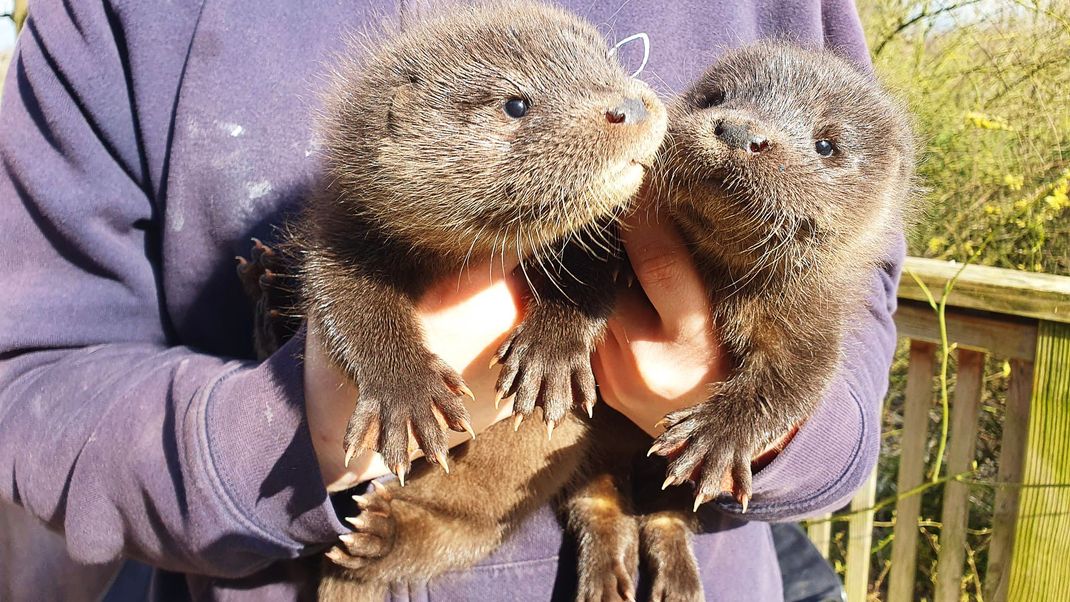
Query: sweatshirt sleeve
point(835, 451)
point(109, 432)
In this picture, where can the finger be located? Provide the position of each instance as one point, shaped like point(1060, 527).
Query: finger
point(634, 318)
point(663, 265)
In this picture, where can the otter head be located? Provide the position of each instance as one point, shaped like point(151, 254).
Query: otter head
point(782, 153)
point(491, 126)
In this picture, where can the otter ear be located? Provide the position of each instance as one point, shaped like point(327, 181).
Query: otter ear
point(401, 99)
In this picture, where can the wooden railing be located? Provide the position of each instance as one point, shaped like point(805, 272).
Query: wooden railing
point(1014, 316)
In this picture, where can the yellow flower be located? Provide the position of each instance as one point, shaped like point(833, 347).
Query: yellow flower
point(936, 244)
point(1014, 182)
point(1057, 202)
point(987, 122)
point(993, 210)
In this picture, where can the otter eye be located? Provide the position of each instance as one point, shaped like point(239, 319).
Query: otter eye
point(517, 107)
point(710, 99)
point(825, 148)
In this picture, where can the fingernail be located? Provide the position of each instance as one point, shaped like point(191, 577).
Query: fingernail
point(349, 454)
point(549, 429)
point(356, 521)
point(516, 422)
point(668, 481)
point(744, 500)
point(347, 539)
point(399, 470)
point(464, 389)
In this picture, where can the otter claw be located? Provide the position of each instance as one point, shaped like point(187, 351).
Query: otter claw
point(382, 490)
point(700, 499)
point(440, 459)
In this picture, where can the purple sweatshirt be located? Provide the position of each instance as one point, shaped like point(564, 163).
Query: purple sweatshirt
point(142, 144)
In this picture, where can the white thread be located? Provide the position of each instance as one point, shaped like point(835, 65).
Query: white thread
point(646, 49)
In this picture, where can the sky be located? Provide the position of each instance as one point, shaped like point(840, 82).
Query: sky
point(7, 27)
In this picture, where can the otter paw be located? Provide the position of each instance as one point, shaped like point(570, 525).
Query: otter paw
point(374, 531)
point(406, 409)
point(611, 583)
point(667, 547)
point(609, 561)
point(264, 280)
point(680, 583)
point(548, 370)
point(712, 447)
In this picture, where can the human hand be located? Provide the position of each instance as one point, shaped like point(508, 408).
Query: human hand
point(464, 320)
point(661, 351)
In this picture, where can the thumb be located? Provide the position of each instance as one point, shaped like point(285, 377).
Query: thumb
point(663, 266)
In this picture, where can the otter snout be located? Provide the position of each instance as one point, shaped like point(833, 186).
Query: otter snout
point(739, 136)
point(632, 112)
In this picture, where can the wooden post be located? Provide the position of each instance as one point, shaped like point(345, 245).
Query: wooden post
point(18, 15)
point(860, 542)
point(919, 398)
point(1011, 457)
point(820, 533)
point(1040, 570)
point(956, 511)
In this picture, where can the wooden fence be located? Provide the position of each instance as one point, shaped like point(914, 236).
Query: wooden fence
point(1022, 318)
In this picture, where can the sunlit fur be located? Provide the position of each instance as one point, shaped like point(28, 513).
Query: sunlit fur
point(417, 139)
point(425, 173)
point(788, 241)
point(788, 211)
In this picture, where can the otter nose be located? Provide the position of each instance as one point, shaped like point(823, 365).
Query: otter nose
point(631, 111)
point(738, 135)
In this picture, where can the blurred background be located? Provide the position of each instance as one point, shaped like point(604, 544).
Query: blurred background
point(989, 84)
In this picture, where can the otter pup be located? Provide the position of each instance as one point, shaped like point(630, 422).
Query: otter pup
point(482, 130)
point(787, 171)
point(492, 128)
